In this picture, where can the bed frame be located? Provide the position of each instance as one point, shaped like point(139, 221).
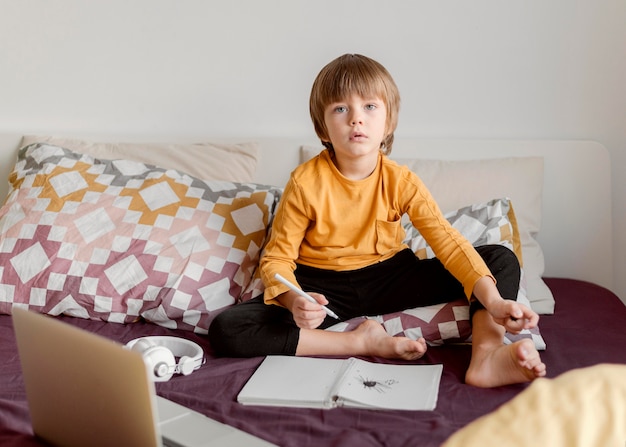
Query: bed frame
point(586, 328)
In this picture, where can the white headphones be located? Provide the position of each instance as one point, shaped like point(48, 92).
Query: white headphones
point(160, 353)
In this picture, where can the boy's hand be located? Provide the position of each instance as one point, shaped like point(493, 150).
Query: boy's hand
point(513, 315)
point(307, 315)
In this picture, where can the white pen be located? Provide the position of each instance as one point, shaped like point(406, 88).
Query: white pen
point(305, 295)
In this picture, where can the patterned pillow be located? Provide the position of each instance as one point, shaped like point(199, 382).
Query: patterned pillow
point(493, 222)
point(486, 223)
point(119, 240)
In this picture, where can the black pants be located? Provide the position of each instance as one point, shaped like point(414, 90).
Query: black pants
point(254, 329)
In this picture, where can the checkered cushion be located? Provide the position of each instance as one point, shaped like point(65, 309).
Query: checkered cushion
point(493, 222)
point(119, 240)
point(439, 324)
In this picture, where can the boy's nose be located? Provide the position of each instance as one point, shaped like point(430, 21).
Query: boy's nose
point(356, 119)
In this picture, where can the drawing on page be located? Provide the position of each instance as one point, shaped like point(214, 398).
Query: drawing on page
point(379, 386)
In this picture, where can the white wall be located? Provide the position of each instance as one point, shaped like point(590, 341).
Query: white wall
point(481, 68)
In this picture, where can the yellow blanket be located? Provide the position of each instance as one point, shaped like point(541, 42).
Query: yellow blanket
point(583, 407)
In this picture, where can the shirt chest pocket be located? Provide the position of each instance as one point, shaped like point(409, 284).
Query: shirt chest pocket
point(389, 235)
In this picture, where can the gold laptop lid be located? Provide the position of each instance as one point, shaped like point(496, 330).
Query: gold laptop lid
point(83, 389)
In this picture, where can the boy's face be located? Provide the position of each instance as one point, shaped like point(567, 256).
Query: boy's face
point(356, 126)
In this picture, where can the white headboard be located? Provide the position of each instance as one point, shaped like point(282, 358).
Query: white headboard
point(576, 232)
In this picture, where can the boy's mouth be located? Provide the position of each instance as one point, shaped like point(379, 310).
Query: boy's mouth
point(357, 136)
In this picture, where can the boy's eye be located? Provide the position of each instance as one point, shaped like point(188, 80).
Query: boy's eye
point(370, 106)
point(341, 109)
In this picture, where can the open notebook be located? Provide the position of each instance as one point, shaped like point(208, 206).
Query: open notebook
point(85, 390)
point(329, 383)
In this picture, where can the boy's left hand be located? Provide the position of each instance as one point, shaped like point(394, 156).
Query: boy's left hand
point(513, 315)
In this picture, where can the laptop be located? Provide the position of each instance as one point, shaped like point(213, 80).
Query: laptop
point(83, 389)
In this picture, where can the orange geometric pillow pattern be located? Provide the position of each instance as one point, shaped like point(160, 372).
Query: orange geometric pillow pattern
point(118, 240)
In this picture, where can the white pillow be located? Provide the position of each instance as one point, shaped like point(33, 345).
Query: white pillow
point(206, 161)
point(454, 184)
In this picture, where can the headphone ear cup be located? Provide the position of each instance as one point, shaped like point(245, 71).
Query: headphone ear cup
point(185, 365)
point(161, 362)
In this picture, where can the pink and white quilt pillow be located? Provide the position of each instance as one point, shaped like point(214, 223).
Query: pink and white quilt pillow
point(120, 240)
point(439, 324)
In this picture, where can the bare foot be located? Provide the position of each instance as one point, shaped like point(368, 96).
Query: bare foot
point(375, 341)
point(493, 366)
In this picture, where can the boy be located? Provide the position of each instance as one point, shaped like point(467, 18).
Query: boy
point(337, 234)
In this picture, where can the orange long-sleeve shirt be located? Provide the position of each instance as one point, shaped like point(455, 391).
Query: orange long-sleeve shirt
point(327, 221)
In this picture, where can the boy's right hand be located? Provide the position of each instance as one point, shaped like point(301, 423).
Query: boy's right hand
point(307, 315)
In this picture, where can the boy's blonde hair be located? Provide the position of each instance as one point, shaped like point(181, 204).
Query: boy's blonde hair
point(353, 74)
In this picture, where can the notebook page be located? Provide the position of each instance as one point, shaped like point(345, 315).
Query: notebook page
point(386, 386)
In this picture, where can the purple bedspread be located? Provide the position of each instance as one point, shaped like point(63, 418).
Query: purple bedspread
point(586, 329)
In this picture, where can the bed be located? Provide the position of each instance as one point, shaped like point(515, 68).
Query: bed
point(560, 191)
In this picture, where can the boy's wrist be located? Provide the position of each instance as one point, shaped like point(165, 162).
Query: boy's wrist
point(286, 299)
point(486, 293)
